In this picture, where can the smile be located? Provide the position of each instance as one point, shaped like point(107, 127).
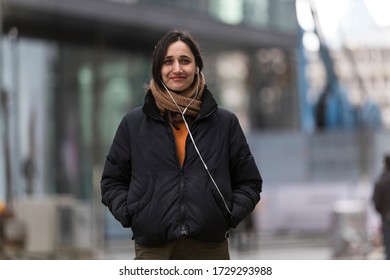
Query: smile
point(177, 78)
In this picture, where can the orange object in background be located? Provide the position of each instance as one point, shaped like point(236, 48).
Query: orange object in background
point(2, 208)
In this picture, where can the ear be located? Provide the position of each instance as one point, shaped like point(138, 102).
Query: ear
point(197, 70)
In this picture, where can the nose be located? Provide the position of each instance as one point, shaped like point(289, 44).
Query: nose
point(176, 67)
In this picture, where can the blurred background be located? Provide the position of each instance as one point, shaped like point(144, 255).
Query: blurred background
point(309, 81)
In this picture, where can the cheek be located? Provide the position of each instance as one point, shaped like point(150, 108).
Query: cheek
point(164, 72)
point(192, 78)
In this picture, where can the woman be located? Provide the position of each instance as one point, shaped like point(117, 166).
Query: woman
point(179, 171)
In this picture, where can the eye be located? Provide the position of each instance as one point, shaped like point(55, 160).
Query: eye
point(185, 61)
point(167, 62)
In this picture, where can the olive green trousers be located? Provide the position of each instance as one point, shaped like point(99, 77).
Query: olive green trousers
point(184, 249)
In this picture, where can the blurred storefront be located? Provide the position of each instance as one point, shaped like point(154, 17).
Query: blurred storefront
point(71, 69)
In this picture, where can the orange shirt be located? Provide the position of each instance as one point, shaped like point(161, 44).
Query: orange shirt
point(180, 139)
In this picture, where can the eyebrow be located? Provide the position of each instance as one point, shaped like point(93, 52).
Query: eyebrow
point(182, 56)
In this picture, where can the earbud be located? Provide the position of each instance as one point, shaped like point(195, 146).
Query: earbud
point(197, 70)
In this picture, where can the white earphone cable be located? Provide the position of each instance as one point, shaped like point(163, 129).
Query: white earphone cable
point(193, 141)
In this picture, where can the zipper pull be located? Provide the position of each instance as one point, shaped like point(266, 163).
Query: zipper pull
point(184, 231)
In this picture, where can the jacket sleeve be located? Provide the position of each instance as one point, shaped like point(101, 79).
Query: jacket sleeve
point(116, 175)
point(244, 175)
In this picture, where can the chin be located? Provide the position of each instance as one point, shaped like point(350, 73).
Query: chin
point(177, 89)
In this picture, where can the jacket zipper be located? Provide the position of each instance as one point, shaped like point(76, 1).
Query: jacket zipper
point(184, 230)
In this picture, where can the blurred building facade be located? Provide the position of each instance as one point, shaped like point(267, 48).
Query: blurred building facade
point(71, 69)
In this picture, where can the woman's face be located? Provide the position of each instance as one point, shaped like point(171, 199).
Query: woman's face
point(179, 69)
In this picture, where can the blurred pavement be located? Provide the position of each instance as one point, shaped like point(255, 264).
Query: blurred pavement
point(266, 247)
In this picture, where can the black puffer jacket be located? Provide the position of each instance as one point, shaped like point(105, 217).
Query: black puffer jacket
point(146, 189)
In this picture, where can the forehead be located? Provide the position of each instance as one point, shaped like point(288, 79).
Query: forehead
point(179, 48)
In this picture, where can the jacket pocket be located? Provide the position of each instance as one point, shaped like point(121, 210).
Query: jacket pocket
point(220, 204)
point(139, 195)
point(224, 205)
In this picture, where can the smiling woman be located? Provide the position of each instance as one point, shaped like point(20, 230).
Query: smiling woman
point(157, 179)
point(178, 71)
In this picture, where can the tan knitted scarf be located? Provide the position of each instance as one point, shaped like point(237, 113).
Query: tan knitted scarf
point(165, 102)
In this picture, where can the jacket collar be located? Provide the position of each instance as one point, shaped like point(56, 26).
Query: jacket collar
point(209, 105)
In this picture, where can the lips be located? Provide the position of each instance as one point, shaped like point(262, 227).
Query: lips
point(177, 78)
